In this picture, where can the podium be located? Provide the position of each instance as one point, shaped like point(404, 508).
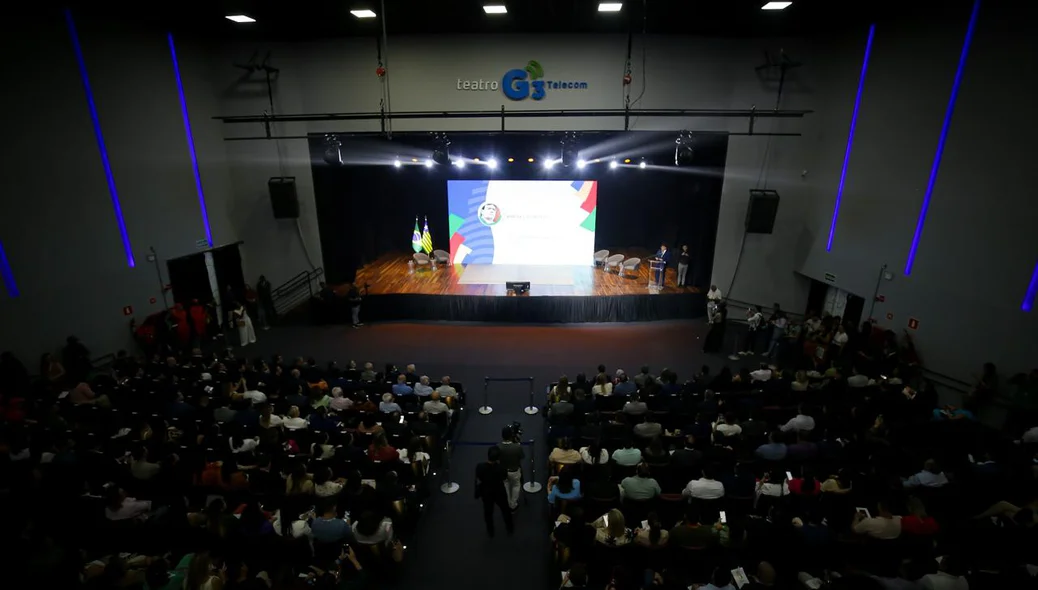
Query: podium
point(657, 265)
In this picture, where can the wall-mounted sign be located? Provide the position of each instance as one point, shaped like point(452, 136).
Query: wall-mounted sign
point(522, 83)
point(890, 316)
point(128, 310)
point(913, 324)
point(830, 277)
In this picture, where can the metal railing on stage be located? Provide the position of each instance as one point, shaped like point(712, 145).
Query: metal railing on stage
point(486, 409)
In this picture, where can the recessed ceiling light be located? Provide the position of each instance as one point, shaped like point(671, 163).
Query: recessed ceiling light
point(240, 18)
point(365, 13)
point(610, 6)
point(396, 163)
point(613, 164)
point(775, 5)
point(495, 9)
point(492, 164)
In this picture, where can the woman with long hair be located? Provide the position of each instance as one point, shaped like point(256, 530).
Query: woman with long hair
point(611, 529)
point(560, 388)
point(246, 333)
point(202, 573)
point(564, 486)
point(594, 454)
point(654, 535)
point(299, 482)
point(415, 456)
point(381, 450)
point(602, 385)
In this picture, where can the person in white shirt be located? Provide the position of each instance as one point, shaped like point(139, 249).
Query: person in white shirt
point(293, 421)
point(324, 485)
point(761, 374)
point(435, 406)
point(930, 477)
point(585, 454)
point(122, 507)
point(728, 427)
point(445, 389)
point(948, 577)
point(773, 484)
point(704, 488)
point(884, 525)
point(801, 422)
point(813, 324)
point(1031, 436)
point(753, 324)
point(714, 294)
point(840, 338)
point(256, 397)
point(602, 386)
point(422, 388)
point(243, 445)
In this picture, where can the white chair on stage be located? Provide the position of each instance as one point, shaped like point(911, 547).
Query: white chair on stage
point(422, 260)
point(613, 261)
point(630, 265)
point(600, 257)
point(441, 256)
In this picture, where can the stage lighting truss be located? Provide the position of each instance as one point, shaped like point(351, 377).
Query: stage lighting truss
point(332, 150)
point(684, 151)
point(441, 149)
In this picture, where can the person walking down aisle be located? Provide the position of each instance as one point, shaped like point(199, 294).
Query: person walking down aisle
point(490, 487)
point(246, 333)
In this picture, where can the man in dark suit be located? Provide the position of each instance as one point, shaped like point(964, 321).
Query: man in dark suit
point(663, 254)
point(490, 487)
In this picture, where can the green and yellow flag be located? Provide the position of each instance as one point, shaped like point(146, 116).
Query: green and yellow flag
point(426, 238)
point(416, 237)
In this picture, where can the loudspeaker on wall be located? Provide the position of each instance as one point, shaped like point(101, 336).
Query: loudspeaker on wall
point(283, 197)
point(761, 212)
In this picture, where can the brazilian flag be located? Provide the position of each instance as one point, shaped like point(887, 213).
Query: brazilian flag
point(426, 237)
point(416, 237)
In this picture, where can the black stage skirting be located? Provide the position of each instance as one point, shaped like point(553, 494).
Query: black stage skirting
point(530, 310)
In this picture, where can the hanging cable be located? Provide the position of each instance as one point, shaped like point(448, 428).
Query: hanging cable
point(385, 77)
point(642, 72)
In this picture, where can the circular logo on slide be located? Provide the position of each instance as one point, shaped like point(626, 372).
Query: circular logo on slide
point(489, 214)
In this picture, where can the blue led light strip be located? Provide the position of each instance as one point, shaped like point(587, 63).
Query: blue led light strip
point(190, 141)
point(944, 136)
point(1032, 291)
point(100, 138)
point(6, 274)
point(850, 137)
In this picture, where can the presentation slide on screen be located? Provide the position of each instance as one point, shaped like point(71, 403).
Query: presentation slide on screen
point(522, 221)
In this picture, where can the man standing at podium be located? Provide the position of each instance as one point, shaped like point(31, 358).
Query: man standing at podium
point(663, 255)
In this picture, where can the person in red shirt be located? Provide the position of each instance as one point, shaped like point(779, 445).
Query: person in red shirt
point(180, 323)
point(917, 522)
point(380, 449)
point(806, 485)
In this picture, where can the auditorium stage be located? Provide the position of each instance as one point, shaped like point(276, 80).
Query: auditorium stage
point(592, 295)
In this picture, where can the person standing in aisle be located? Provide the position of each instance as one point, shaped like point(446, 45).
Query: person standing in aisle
point(512, 459)
point(490, 487)
point(354, 297)
point(683, 259)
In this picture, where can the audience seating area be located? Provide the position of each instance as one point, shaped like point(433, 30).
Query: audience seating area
point(151, 472)
point(768, 472)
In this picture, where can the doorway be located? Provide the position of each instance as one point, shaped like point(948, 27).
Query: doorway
point(826, 298)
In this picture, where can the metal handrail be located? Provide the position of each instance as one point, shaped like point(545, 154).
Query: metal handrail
point(291, 290)
point(792, 315)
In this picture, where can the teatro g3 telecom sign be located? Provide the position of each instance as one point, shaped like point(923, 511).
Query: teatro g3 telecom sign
point(522, 83)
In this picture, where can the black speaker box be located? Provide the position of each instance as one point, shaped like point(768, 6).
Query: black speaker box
point(519, 287)
point(760, 214)
point(283, 197)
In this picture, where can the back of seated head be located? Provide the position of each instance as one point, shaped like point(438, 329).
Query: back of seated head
point(369, 522)
point(326, 505)
point(690, 441)
point(369, 420)
point(643, 470)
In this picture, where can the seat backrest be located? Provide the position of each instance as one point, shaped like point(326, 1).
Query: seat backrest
point(421, 257)
point(615, 259)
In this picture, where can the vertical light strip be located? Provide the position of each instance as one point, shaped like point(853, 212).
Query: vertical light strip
point(1032, 291)
point(6, 274)
point(190, 141)
point(100, 138)
point(944, 136)
point(850, 137)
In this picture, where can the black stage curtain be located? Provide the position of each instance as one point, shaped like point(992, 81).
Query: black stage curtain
point(229, 275)
point(189, 278)
point(530, 310)
point(367, 209)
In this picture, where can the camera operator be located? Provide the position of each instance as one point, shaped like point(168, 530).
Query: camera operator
point(512, 460)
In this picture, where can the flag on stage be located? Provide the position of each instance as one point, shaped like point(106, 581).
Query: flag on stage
point(426, 238)
point(416, 237)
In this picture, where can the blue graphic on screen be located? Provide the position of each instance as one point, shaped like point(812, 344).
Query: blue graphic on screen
point(464, 198)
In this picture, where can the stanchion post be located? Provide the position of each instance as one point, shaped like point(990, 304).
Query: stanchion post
point(485, 408)
point(531, 409)
point(449, 486)
point(533, 486)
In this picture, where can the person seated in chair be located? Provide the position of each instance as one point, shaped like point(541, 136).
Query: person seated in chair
point(328, 527)
point(642, 486)
point(563, 486)
point(388, 404)
point(435, 406)
point(930, 477)
point(422, 388)
point(401, 388)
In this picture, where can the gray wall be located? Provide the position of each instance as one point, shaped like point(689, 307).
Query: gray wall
point(58, 225)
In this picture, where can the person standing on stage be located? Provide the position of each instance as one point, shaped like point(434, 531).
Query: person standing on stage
point(490, 487)
point(354, 297)
point(663, 255)
point(683, 259)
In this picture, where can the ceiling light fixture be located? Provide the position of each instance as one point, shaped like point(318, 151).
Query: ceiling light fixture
point(459, 163)
point(776, 5)
point(549, 164)
point(492, 163)
point(613, 164)
point(495, 9)
point(240, 18)
point(363, 13)
point(610, 6)
point(530, 160)
point(510, 160)
point(581, 163)
point(397, 164)
point(428, 163)
point(641, 164)
point(627, 160)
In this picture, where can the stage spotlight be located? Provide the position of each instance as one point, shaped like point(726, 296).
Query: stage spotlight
point(641, 164)
point(428, 163)
point(530, 160)
point(441, 149)
point(549, 164)
point(475, 159)
point(492, 163)
point(581, 164)
point(684, 151)
point(627, 160)
point(397, 164)
point(459, 163)
point(613, 164)
point(332, 150)
point(510, 160)
point(415, 160)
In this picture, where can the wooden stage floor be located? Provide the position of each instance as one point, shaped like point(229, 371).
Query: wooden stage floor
point(390, 275)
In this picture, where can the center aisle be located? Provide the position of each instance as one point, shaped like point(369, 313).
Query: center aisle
point(451, 548)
